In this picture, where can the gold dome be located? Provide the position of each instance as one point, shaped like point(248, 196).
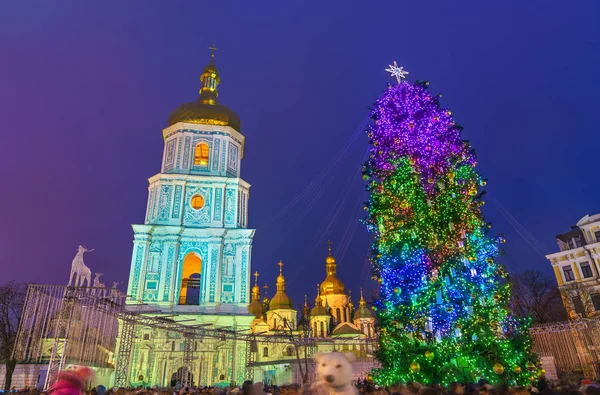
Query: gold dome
point(255, 307)
point(281, 300)
point(205, 110)
point(363, 311)
point(318, 310)
point(332, 285)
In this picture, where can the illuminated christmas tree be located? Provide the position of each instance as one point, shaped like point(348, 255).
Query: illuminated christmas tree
point(443, 309)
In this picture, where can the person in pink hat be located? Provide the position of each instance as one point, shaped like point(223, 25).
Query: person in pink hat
point(71, 382)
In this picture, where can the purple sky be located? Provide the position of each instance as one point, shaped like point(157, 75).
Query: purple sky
point(87, 87)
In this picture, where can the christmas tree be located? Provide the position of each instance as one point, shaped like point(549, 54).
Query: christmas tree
point(443, 310)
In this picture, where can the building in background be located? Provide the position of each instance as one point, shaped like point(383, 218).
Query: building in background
point(577, 267)
point(330, 324)
point(191, 263)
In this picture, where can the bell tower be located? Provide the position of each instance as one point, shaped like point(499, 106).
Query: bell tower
point(192, 254)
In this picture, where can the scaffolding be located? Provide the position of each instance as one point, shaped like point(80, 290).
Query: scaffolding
point(64, 326)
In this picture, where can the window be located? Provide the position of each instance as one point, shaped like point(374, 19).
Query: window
point(571, 244)
point(578, 305)
point(146, 336)
point(568, 272)
point(596, 301)
point(289, 351)
point(201, 155)
point(597, 234)
point(586, 270)
point(266, 352)
point(579, 241)
point(154, 263)
point(197, 202)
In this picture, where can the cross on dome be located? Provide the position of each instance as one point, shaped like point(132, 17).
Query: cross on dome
point(213, 48)
point(256, 277)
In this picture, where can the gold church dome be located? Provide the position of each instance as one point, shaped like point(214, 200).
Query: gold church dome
point(281, 300)
point(318, 310)
point(205, 110)
point(363, 310)
point(332, 285)
point(255, 307)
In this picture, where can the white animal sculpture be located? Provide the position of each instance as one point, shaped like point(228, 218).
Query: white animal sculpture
point(97, 283)
point(79, 270)
point(334, 374)
point(117, 283)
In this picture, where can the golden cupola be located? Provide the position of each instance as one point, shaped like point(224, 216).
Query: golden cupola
point(255, 307)
point(332, 285)
point(281, 300)
point(318, 310)
point(363, 311)
point(206, 110)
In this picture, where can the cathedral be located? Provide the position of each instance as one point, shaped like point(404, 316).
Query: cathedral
point(192, 261)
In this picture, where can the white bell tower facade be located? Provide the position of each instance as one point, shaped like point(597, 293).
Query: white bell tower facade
point(193, 252)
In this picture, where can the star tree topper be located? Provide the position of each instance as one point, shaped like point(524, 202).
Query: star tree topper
point(397, 72)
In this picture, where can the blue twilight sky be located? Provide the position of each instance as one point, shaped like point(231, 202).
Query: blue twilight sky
point(87, 87)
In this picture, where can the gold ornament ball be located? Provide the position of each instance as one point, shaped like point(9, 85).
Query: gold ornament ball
point(496, 297)
point(397, 290)
point(498, 368)
point(543, 372)
point(370, 377)
point(429, 354)
point(415, 367)
point(530, 366)
point(517, 369)
point(379, 280)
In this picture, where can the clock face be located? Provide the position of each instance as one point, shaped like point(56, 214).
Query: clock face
point(197, 202)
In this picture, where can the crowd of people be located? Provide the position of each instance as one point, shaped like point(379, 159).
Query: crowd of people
point(73, 383)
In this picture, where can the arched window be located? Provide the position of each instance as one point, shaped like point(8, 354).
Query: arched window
point(266, 352)
point(338, 315)
point(201, 154)
point(289, 351)
point(189, 293)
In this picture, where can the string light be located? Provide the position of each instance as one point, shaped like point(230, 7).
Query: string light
point(443, 308)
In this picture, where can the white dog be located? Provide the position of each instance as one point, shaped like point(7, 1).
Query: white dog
point(334, 373)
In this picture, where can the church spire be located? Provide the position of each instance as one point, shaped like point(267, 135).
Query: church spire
point(281, 300)
point(256, 288)
point(255, 308)
point(330, 265)
point(305, 310)
point(280, 278)
point(210, 81)
point(362, 302)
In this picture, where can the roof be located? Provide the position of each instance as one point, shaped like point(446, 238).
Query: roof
point(205, 114)
point(346, 328)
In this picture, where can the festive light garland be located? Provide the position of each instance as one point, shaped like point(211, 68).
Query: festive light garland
point(443, 308)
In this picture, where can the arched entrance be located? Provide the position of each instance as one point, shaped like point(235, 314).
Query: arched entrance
point(189, 292)
point(179, 379)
